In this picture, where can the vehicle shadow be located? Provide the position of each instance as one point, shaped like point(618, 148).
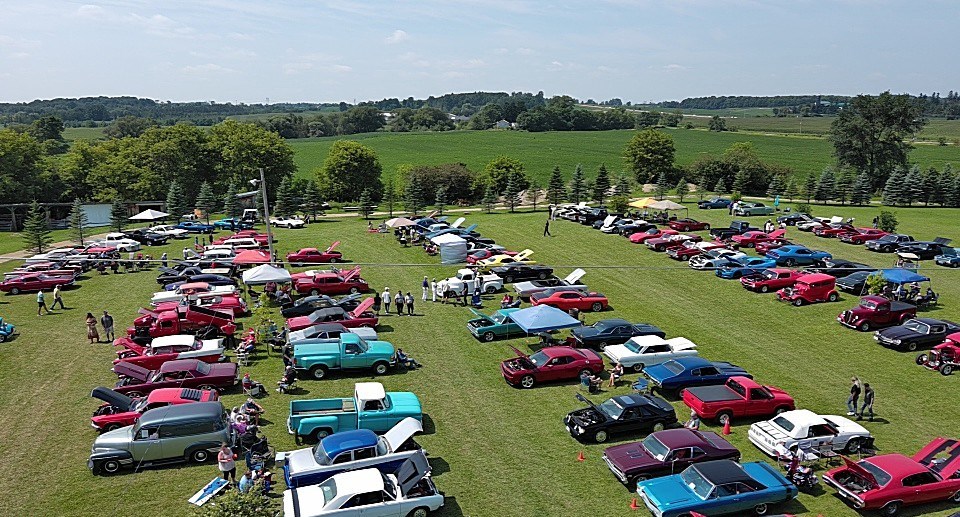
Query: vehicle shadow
point(438, 466)
point(429, 426)
point(450, 508)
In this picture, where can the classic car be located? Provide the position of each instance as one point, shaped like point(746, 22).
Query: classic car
point(370, 407)
point(718, 487)
point(619, 224)
point(306, 305)
point(180, 272)
point(763, 247)
point(34, 282)
point(332, 283)
point(179, 292)
point(232, 224)
point(468, 281)
point(637, 226)
point(752, 238)
point(329, 331)
point(287, 222)
point(310, 273)
point(610, 332)
point(889, 482)
point(316, 358)
point(641, 351)
point(809, 432)
point(690, 249)
point(748, 209)
point(146, 237)
point(652, 233)
point(549, 364)
point(483, 254)
point(361, 316)
point(683, 372)
point(607, 224)
point(119, 241)
point(792, 219)
point(119, 410)
point(833, 230)
point(136, 381)
point(570, 282)
point(944, 358)
point(810, 288)
point(171, 348)
point(853, 283)
point(708, 260)
point(231, 303)
point(196, 227)
point(211, 279)
point(839, 267)
point(796, 255)
point(948, 257)
point(716, 202)
point(889, 243)
point(735, 228)
point(916, 333)
point(566, 300)
point(351, 450)
point(923, 250)
point(169, 231)
point(7, 330)
point(770, 279)
point(496, 326)
point(666, 452)
point(522, 257)
point(671, 241)
point(746, 266)
point(315, 256)
point(738, 397)
point(592, 214)
point(634, 413)
point(818, 222)
point(246, 234)
point(187, 319)
point(876, 312)
point(520, 272)
point(861, 235)
point(686, 224)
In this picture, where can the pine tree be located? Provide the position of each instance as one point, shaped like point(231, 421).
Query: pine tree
point(662, 186)
point(894, 190)
point(176, 200)
point(777, 186)
point(312, 198)
point(931, 187)
point(953, 196)
point(534, 192)
point(36, 234)
point(682, 189)
point(740, 181)
point(556, 191)
point(913, 190)
point(365, 204)
point(119, 215)
point(231, 204)
point(489, 198)
point(602, 185)
point(414, 197)
point(826, 186)
point(511, 193)
point(703, 184)
point(860, 192)
point(578, 185)
point(390, 195)
point(810, 186)
point(285, 205)
point(844, 184)
point(78, 222)
point(206, 200)
point(622, 186)
point(721, 187)
point(946, 184)
point(440, 199)
point(792, 190)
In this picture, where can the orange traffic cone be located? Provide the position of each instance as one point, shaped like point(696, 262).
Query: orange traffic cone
point(580, 456)
point(726, 427)
point(634, 505)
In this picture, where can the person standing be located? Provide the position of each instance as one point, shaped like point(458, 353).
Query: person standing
point(186, 253)
point(92, 328)
point(854, 396)
point(377, 303)
point(226, 463)
point(107, 321)
point(41, 303)
point(163, 259)
point(546, 228)
point(386, 300)
point(410, 301)
point(433, 290)
point(425, 285)
point(57, 298)
point(730, 208)
point(398, 300)
point(868, 395)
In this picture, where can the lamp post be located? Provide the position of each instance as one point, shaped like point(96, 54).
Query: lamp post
point(266, 210)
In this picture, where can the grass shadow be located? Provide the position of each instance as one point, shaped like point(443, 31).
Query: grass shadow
point(429, 426)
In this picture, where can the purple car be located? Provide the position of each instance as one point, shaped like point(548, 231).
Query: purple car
point(666, 452)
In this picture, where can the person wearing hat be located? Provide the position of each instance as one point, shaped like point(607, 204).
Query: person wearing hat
point(425, 285)
point(387, 299)
point(252, 410)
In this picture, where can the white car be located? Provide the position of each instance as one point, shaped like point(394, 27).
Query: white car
point(409, 491)
point(119, 241)
point(287, 222)
point(240, 243)
point(813, 434)
point(488, 283)
point(169, 231)
point(52, 255)
point(642, 351)
point(569, 283)
point(709, 259)
point(190, 289)
point(808, 226)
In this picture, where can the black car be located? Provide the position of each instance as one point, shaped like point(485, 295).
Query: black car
point(633, 413)
point(916, 333)
point(854, 282)
point(794, 218)
point(888, 243)
point(840, 268)
point(637, 226)
point(599, 222)
point(146, 237)
point(592, 215)
point(170, 275)
point(924, 250)
point(521, 272)
point(307, 305)
point(611, 332)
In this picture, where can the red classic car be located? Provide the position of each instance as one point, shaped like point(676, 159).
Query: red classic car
point(227, 303)
point(752, 238)
point(171, 348)
point(652, 233)
point(891, 481)
point(687, 224)
point(671, 241)
point(553, 363)
point(186, 319)
point(566, 300)
point(137, 381)
point(34, 282)
point(359, 317)
point(315, 256)
point(739, 397)
point(246, 234)
point(478, 255)
point(691, 249)
point(332, 283)
point(119, 410)
point(771, 279)
point(765, 246)
point(861, 235)
point(310, 273)
point(832, 230)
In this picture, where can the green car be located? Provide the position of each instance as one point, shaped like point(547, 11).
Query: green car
point(497, 326)
point(753, 209)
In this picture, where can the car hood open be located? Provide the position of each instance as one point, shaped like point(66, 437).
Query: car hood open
point(117, 400)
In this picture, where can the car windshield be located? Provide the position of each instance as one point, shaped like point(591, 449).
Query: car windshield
point(320, 455)
point(603, 325)
point(539, 359)
point(633, 347)
point(138, 404)
point(783, 423)
point(500, 318)
point(611, 408)
point(879, 474)
point(868, 304)
point(655, 447)
point(917, 326)
point(329, 489)
point(674, 367)
point(696, 483)
point(769, 274)
point(203, 368)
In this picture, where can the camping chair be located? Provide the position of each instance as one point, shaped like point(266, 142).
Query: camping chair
point(587, 385)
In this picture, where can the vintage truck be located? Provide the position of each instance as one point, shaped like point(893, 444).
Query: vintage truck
point(317, 357)
point(735, 228)
point(876, 312)
point(187, 319)
point(370, 408)
point(739, 397)
point(488, 283)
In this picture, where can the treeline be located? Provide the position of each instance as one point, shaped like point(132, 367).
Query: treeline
point(932, 105)
point(563, 113)
point(465, 104)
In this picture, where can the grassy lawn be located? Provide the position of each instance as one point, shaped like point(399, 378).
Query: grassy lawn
point(496, 450)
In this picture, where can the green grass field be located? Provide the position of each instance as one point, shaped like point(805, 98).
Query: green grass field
point(496, 450)
point(949, 129)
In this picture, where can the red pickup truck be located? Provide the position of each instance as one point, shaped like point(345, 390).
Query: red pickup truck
point(876, 312)
point(186, 319)
point(739, 397)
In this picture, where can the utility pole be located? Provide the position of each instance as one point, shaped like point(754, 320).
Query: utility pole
point(266, 213)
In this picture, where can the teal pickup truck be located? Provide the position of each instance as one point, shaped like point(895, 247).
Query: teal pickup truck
point(370, 408)
point(317, 357)
point(496, 326)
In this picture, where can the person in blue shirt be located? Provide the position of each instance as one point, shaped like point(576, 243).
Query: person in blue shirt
point(246, 482)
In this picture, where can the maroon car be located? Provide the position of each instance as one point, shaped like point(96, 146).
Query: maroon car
point(686, 225)
point(315, 256)
point(553, 363)
point(34, 282)
point(136, 381)
point(666, 452)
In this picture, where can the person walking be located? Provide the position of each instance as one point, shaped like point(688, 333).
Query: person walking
point(57, 298)
point(107, 321)
point(186, 253)
point(163, 259)
point(398, 301)
point(92, 328)
point(226, 463)
point(410, 302)
point(41, 303)
point(854, 396)
point(730, 208)
point(433, 290)
point(377, 303)
point(425, 285)
point(868, 395)
point(546, 228)
point(386, 300)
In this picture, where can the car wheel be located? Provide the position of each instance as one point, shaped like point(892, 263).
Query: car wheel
point(596, 307)
point(600, 436)
point(320, 434)
point(354, 290)
point(798, 302)
point(419, 512)
point(488, 336)
point(946, 369)
point(110, 467)
point(542, 275)
point(864, 327)
point(853, 446)
point(314, 292)
point(110, 427)
point(833, 297)
point(706, 227)
point(686, 228)
point(685, 258)
point(14, 291)
point(911, 346)
point(781, 410)
point(318, 372)
point(764, 289)
point(334, 260)
point(922, 359)
point(508, 279)
point(657, 427)
point(891, 508)
point(380, 368)
point(638, 367)
point(760, 509)
point(956, 497)
point(527, 381)
point(133, 394)
point(490, 289)
point(207, 387)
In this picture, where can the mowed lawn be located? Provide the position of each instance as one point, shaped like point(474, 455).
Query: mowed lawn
point(495, 450)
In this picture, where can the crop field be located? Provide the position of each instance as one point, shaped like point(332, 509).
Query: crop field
point(495, 450)
point(935, 128)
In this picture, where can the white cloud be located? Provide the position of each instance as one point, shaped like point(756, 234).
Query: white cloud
point(398, 36)
point(523, 51)
point(207, 68)
point(675, 67)
point(89, 11)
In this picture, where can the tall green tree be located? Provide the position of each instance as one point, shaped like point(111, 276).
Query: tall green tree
point(602, 184)
point(489, 198)
point(36, 233)
point(78, 222)
point(662, 186)
point(390, 195)
point(894, 191)
point(534, 193)
point(238, 149)
point(556, 190)
point(206, 200)
point(511, 193)
point(440, 199)
point(499, 171)
point(914, 186)
point(415, 196)
point(119, 215)
point(349, 169)
point(778, 185)
point(578, 185)
point(231, 204)
point(648, 154)
point(366, 203)
point(861, 191)
point(740, 181)
point(622, 186)
point(953, 196)
point(286, 204)
point(843, 185)
point(826, 186)
point(931, 187)
point(871, 133)
point(717, 124)
point(682, 189)
point(176, 200)
point(721, 187)
point(810, 186)
point(792, 190)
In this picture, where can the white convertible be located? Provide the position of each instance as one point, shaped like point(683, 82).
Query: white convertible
point(287, 222)
point(119, 241)
point(710, 258)
point(813, 434)
point(188, 289)
point(169, 231)
point(641, 351)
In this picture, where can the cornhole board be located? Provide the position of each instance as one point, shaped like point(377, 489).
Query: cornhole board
point(211, 489)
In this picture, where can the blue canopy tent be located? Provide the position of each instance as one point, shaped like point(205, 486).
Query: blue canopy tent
point(902, 276)
point(543, 318)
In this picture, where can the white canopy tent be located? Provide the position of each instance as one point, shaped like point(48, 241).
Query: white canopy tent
point(453, 249)
point(150, 215)
point(265, 274)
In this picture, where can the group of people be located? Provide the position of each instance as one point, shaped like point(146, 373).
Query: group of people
point(909, 293)
point(856, 390)
point(42, 301)
point(136, 261)
point(400, 300)
point(594, 381)
point(93, 334)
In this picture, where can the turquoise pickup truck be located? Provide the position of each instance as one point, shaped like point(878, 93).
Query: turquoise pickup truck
point(317, 357)
point(370, 408)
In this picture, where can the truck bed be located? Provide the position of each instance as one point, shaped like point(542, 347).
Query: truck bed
point(901, 306)
point(719, 393)
point(348, 406)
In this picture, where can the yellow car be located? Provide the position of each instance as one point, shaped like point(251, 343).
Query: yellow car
point(502, 260)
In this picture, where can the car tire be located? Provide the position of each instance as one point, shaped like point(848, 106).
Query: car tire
point(686, 228)
point(318, 372)
point(780, 410)
point(955, 497)
point(133, 394)
point(596, 307)
point(657, 427)
point(334, 260)
point(911, 346)
point(833, 297)
point(320, 434)
point(852, 446)
point(706, 227)
point(111, 427)
point(314, 292)
point(207, 387)
point(489, 336)
point(764, 289)
point(419, 512)
point(490, 289)
point(542, 275)
point(891, 508)
point(354, 290)
point(724, 416)
point(109, 467)
point(527, 381)
point(638, 367)
point(14, 291)
point(508, 279)
point(946, 369)
point(381, 368)
point(760, 509)
point(600, 436)
point(921, 359)
point(798, 302)
point(864, 327)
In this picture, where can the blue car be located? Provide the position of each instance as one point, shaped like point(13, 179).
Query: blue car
point(718, 487)
point(950, 257)
point(793, 255)
point(717, 202)
point(684, 372)
point(233, 224)
point(196, 227)
point(7, 330)
point(745, 266)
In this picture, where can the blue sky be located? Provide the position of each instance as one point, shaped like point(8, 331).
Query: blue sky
point(345, 50)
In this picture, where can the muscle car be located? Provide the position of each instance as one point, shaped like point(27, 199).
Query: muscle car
point(916, 333)
point(687, 224)
point(716, 202)
point(809, 432)
point(569, 283)
point(742, 267)
point(770, 279)
point(566, 300)
point(119, 410)
point(519, 272)
point(308, 304)
point(796, 255)
point(137, 381)
point(671, 241)
point(666, 452)
point(684, 372)
point(361, 316)
point(861, 235)
point(315, 256)
point(652, 233)
point(752, 238)
point(35, 282)
point(610, 332)
point(632, 413)
point(641, 351)
point(497, 326)
point(709, 260)
point(690, 249)
point(549, 364)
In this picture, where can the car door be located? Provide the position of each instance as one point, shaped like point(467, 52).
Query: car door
point(760, 400)
point(706, 375)
point(352, 356)
point(146, 444)
point(925, 487)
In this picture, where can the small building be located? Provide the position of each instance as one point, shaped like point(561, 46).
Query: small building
point(502, 124)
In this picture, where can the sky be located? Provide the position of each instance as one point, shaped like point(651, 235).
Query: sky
point(351, 50)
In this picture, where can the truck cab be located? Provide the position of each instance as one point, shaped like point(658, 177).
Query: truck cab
point(370, 408)
point(739, 397)
point(317, 357)
point(488, 283)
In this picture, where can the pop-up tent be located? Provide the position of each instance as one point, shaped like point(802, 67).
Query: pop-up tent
point(150, 215)
point(453, 249)
point(398, 222)
point(902, 276)
point(643, 203)
point(543, 318)
point(265, 274)
point(251, 257)
point(666, 204)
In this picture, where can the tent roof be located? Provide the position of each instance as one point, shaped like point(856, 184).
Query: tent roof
point(397, 222)
point(264, 274)
point(902, 276)
point(447, 238)
point(251, 257)
point(666, 204)
point(150, 215)
point(541, 318)
point(643, 203)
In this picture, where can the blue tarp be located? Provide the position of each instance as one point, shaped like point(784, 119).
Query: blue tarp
point(902, 276)
point(543, 318)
